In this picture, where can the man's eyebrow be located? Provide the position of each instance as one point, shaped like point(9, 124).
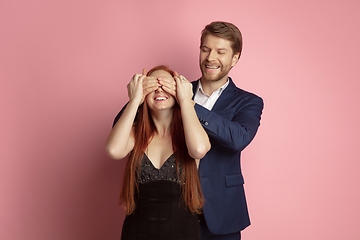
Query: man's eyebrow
point(218, 49)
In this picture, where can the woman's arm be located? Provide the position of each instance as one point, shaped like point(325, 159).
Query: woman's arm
point(121, 139)
point(197, 141)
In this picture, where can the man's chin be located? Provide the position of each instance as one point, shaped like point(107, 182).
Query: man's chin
point(211, 78)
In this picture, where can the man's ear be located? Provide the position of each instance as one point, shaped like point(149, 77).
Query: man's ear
point(235, 59)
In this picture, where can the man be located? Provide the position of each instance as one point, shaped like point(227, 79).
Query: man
point(230, 117)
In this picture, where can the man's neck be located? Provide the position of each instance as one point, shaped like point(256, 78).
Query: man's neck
point(210, 86)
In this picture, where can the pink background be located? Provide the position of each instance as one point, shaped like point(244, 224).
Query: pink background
point(64, 66)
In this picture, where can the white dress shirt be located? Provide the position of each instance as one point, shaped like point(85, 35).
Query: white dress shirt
point(205, 100)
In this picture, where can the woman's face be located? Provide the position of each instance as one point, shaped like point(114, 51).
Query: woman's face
point(159, 99)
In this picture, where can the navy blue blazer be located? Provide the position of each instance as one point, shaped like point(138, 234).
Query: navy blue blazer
point(231, 125)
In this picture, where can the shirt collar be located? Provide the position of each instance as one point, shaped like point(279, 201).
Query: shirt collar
point(219, 90)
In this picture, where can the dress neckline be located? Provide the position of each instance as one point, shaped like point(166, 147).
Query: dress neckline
point(162, 164)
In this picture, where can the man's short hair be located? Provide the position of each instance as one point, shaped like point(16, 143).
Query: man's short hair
point(224, 30)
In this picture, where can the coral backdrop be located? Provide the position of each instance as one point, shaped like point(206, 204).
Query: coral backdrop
point(64, 66)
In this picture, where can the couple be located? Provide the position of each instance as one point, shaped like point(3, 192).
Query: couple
point(169, 133)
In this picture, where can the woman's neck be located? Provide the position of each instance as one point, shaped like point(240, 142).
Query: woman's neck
point(162, 121)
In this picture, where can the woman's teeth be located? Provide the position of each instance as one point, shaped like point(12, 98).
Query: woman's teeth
point(160, 98)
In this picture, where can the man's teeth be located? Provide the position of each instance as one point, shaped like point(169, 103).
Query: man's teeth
point(212, 67)
point(160, 98)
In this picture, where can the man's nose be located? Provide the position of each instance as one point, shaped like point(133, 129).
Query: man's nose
point(211, 56)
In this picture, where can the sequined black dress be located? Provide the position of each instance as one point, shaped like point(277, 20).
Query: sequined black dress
point(159, 213)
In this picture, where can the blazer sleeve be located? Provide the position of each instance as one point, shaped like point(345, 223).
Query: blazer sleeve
point(234, 127)
point(119, 115)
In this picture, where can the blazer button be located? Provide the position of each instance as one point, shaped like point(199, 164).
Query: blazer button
point(206, 123)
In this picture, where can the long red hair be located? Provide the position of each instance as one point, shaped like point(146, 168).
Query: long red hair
point(144, 131)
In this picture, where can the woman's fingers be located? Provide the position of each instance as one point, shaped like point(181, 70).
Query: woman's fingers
point(184, 89)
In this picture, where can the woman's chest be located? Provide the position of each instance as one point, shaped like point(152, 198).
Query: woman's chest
point(159, 150)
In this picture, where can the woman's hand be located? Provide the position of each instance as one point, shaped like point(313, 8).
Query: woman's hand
point(135, 89)
point(178, 86)
point(140, 86)
point(184, 89)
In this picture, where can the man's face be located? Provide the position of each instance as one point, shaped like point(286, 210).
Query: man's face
point(216, 58)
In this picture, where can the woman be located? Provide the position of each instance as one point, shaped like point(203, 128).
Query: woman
point(161, 190)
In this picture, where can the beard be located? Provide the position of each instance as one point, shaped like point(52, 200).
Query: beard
point(214, 77)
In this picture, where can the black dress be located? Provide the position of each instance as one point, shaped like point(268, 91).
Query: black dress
point(159, 213)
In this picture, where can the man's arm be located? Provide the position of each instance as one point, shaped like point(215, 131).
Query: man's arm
point(119, 114)
point(235, 133)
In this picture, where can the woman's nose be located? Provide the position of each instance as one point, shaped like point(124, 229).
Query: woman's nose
point(159, 89)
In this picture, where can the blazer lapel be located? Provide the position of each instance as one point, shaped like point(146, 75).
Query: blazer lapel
point(225, 98)
point(195, 84)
